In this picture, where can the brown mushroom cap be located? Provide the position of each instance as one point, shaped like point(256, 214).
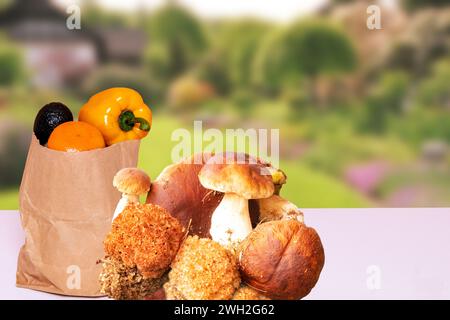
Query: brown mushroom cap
point(282, 259)
point(178, 190)
point(132, 181)
point(243, 176)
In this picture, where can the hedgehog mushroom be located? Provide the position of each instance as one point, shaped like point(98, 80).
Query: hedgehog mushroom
point(240, 180)
point(131, 182)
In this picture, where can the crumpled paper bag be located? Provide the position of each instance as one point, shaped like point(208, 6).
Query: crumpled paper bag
point(66, 203)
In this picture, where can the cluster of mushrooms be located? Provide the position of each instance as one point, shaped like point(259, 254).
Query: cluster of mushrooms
point(213, 227)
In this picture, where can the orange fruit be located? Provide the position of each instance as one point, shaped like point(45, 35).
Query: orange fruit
point(74, 136)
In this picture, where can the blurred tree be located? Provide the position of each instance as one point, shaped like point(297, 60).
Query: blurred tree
point(387, 97)
point(11, 64)
point(435, 91)
point(239, 43)
point(176, 41)
point(214, 71)
point(420, 4)
point(305, 49)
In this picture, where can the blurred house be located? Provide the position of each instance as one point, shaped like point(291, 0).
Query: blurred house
point(56, 55)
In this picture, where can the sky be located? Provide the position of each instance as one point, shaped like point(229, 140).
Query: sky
point(276, 10)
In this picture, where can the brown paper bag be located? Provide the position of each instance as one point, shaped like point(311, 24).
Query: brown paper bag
point(66, 205)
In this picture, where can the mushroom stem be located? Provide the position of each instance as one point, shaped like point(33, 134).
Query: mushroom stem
point(230, 222)
point(126, 198)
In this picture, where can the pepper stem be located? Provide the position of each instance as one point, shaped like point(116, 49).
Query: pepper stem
point(127, 120)
point(143, 124)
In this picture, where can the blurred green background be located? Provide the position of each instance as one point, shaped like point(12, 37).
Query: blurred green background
point(364, 115)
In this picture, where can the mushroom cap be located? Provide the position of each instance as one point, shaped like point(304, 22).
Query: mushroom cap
point(132, 181)
point(178, 190)
point(282, 259)
point(237, 173)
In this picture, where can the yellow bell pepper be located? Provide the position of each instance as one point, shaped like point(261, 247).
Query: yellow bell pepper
point(119, 113)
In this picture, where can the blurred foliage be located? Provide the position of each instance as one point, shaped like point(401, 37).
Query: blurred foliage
point(245, 101)
point(11, 64)
point(434, 91)
point(212, 70)
point(386, 98)
point(305, 49)
point(421, 125)
point(346, 147)
point(296, 97)
point(420, 4)
point(239, 44)
point(188, 93)
point(94, 16)
point(177, 41)
point(14, 140)
point(5, 3)
point(122, 76)
point(426, 40)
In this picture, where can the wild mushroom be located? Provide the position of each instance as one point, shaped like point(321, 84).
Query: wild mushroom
point(142, 243)
point(202, 270)
point(179, 191)
point(240, 180)
point(132, 183)
point(245, 292)
point(277, 208)
point(281, 259)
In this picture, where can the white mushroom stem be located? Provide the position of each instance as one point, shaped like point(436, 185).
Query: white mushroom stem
point(126, 198)
point(230, 222)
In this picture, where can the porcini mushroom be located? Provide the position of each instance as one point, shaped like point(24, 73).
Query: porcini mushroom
point(281, 259)
point(178, 190)
point(277, 208)
point(131, 182)
point(240, 179)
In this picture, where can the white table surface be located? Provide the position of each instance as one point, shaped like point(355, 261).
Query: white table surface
point(369, 254)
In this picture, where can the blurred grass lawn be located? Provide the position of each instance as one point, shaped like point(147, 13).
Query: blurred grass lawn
point(305, 187)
